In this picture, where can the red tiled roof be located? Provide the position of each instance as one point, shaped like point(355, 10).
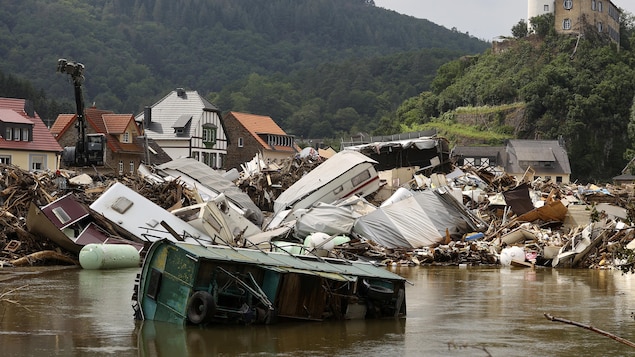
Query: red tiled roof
point(94, 117)
point(260, 124)
point(43, 140)
point(62, 123)
point(116, 123)
point(11, 116)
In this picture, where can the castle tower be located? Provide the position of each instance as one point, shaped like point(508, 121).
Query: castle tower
point(539, 7)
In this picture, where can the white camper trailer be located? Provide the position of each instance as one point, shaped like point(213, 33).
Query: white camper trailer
point(347, 173)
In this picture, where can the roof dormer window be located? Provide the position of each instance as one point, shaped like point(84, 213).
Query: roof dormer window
point(181, 123)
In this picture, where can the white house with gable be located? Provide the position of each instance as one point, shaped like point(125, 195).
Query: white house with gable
point(184, 124)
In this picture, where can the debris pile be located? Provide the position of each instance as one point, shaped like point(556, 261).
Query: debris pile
point(464, 217)
point(18, 188)
point(263, 182)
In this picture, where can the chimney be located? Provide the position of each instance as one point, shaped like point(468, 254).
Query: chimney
point(28, 108)
point(147, 117)
point(180, 92)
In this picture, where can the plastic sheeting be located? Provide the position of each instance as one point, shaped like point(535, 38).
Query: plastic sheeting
point(336, 218)
point(414, 222)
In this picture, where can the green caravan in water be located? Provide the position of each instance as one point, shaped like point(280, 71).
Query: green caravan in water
point(195, 284)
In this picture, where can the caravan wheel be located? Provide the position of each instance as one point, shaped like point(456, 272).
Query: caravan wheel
point(201, 307)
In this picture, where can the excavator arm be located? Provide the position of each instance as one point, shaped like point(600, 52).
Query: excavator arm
point(90, 148)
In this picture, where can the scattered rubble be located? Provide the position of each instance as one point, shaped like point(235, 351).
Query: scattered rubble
point(18, 188)
point(554, 225)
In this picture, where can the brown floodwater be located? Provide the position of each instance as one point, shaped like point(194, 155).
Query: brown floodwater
point(452, 311)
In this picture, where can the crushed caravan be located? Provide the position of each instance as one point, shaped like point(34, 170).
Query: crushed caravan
point(345, 174)
point(69, 224)
point(141, 220)
point(198, 285)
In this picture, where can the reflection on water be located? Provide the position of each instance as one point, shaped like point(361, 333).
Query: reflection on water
point(384, 337)
point(451, 312)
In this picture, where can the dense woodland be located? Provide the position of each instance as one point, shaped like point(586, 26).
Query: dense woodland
point(580, 89)
point(329, 68)
point(244, 54)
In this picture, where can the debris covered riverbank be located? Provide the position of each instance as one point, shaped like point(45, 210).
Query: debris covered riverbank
point(553, 225)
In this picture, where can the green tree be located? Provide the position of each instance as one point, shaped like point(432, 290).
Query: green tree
point(520, 29)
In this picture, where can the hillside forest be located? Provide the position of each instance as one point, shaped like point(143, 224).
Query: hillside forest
point(332, 68)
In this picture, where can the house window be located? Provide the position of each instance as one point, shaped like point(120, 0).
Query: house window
point(9, 134)
point(240, 142)
point(600, 27)
point(16, 134)
point(566, 24)
point(568, 4)
point(600, 6)
point(120, 167)
point(132, 167)
point(546, 8)
point(5, 159)
point(25, 134)
point(559, 179)
point(38, 162)
point(126, 137)
point(213, 163)
point(593, 5)
point(221, 160)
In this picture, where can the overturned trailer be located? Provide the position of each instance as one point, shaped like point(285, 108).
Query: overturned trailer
point(194, 284)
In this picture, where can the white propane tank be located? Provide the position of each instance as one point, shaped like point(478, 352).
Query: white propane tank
point(109, 256)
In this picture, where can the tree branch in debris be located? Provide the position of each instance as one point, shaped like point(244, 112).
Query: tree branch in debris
point(591, 328)
point(43, 255)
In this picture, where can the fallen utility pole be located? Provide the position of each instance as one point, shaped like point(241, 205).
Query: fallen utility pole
point(591, 328)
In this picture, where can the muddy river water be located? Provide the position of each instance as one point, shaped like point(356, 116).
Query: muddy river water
point(452, 311)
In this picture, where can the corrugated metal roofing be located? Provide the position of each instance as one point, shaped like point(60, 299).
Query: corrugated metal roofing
point(211, 179)
point(305, 264)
